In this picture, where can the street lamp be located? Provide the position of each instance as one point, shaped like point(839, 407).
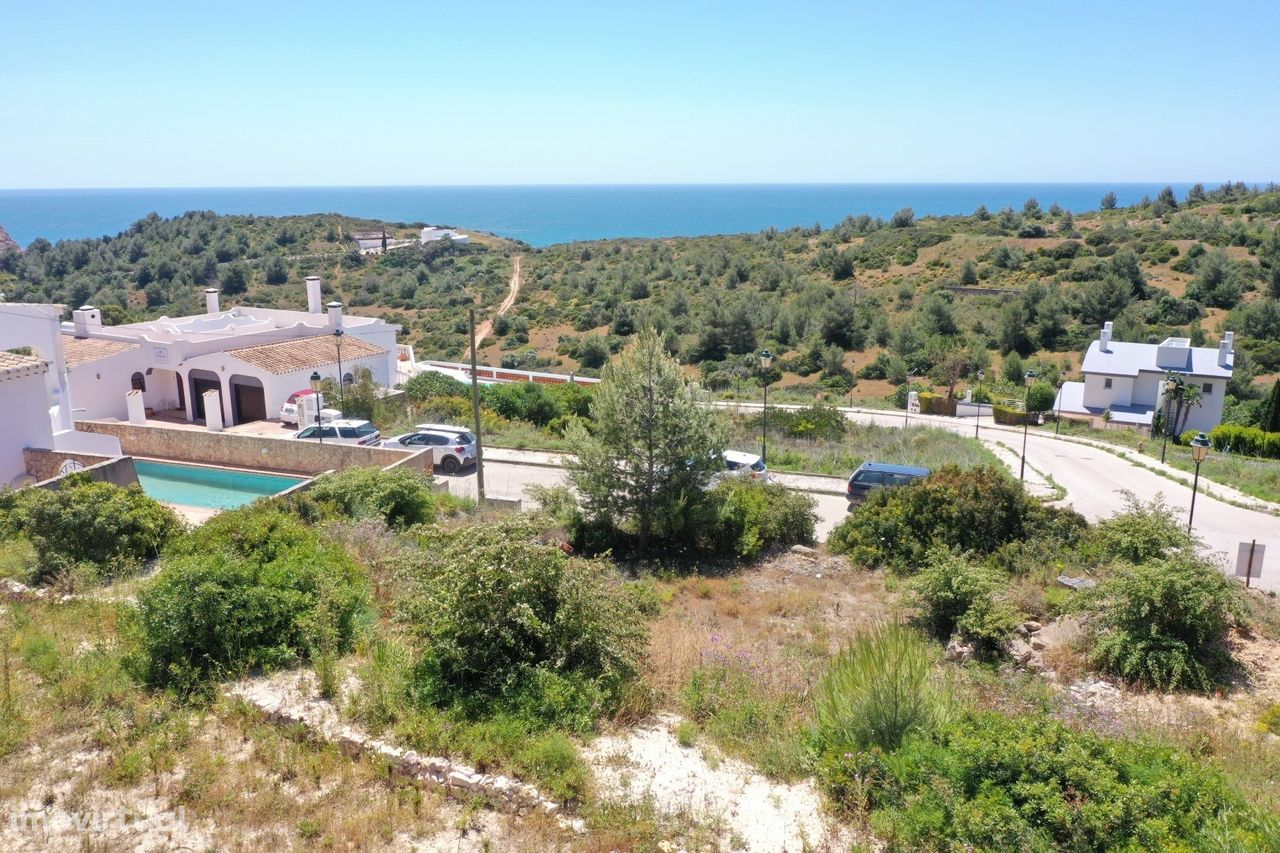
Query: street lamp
point(1199, 450)
point(1028, 378)
point(1172, 389)
point(982, 374)
point(315, 389)
point(906, 406)
point(342, 400)
point(1057, 418)
point(766, 361)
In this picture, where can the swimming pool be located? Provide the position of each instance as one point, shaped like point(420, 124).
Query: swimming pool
point(210, 488)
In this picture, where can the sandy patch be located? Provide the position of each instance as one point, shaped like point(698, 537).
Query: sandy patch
point(752, 812)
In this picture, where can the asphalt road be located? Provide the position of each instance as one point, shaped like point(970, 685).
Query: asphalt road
point(1094, 479)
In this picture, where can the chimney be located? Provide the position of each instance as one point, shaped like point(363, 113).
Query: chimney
point(335, 316)
point(1104, 339)
point(211, 300)
point(1226, 348)
point(87, 320)
point(313, 294)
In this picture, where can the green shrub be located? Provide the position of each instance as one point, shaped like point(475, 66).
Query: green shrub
point(88, 522)
point(1040, 397)
point(972, 510)
point(1142, 532)
point(751, 516)
point(1269, 720)
point(430, 384)
point(206, 614)
point(936, 404)
point(957, 596)
point(1007, 416)
point(876, 691)
point(986, 781)
point(262, 531)
point(523, 401)
point(401, 497)
point(810, 422)
point(505, 621)
point(1248, 440)
point(1164, 623)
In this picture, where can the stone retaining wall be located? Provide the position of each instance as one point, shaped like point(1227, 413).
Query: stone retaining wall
point(251, 451)
point(45, 466)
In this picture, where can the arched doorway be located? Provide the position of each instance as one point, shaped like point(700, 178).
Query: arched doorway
point(201, 381)
point(248, 399)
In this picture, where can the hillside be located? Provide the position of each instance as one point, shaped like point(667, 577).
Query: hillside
point(870, 301)
point(866, 303)
point(7, 243)
point(160, 266)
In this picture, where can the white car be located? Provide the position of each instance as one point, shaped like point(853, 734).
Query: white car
point(342, 431)
point(289, 414)
point(738, 463)
point(453, 447)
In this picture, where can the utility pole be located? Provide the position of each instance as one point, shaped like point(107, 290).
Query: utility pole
point(475, 410)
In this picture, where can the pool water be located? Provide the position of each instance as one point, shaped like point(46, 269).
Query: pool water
point(210, 488)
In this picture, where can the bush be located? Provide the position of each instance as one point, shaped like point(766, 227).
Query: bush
point(1164, 624)
point(1007, 416)
point(975, 510)
point(401, 497)
point(751, 516)
point(879, 689)
point(523, 401)
point(986, 781)
point(936, 404)
point(1244, 439)
point(88, 522)
point(430, 384)
point(811, 422)
point(507, 622)
point(957, 596)
point(1143, 532)
point(209, 613)
point(262, 531)
point(1041, 397)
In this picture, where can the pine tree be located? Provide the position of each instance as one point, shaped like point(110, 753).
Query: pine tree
point(1270, 421)
point(653, 447)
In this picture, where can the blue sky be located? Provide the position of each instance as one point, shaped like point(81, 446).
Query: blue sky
point(277, 93)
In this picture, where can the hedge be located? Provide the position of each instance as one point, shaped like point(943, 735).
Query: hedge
point(936, 404)
point(1007, 415)
point(1242, 439)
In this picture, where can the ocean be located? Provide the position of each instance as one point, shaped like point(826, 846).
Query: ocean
point(544, 215)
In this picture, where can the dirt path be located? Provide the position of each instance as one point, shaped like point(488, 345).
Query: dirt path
point(485, 329)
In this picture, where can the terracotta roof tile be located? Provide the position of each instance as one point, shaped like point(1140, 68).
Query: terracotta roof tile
point(14, 366)
point(80, 351)
point(305, 353)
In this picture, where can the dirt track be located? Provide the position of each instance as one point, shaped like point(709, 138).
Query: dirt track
point(485, 329)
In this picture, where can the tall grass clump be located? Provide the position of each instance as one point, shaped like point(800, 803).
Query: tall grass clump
point(879, 689)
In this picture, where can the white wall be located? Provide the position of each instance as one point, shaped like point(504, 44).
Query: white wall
point(1096, 394)
point(98, 387)
point(25, 404)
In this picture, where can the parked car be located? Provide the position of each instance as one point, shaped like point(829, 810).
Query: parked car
point(874, 475)
point(343, 431)
point(738, 463)
point(292, 408)
point(453, 447)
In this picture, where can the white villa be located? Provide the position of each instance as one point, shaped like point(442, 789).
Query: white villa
point(1127, 380)
point(35, 401)
point(253, 357)
point(432, 233)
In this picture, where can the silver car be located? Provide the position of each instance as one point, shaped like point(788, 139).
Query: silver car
point(342, 431)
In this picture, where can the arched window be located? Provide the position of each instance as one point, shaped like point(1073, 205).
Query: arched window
point(139, 382)
point(347, 379)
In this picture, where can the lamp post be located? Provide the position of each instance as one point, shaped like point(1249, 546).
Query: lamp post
point(977, 421)
point(1199, 450)
point(766, 361)
point(342, 399)
point(1057, 417)
point(906, 406)
point(315, 388)
point(1029, 377)
point(1172, 388)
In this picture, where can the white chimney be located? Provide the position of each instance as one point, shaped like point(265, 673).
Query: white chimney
point(313, 294)
point(1104, 339)
point(211, 300)
point(1225, 349)
point(335, 316)
point(87, 319)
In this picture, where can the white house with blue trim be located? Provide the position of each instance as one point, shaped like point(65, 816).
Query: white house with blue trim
point(1127, 381)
